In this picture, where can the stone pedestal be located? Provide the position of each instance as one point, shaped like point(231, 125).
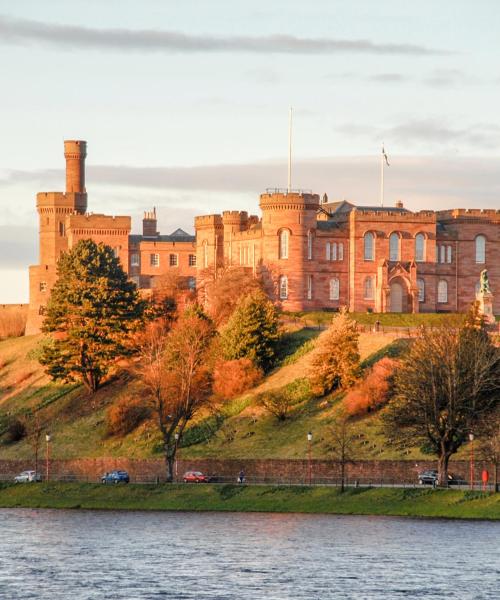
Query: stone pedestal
point(485, 300)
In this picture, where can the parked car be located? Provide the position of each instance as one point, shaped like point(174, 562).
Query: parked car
point(195, 477)
point(27, 477)
point(115, 477)
point(430, 478)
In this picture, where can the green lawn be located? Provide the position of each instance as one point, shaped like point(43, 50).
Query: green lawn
point(213, 497)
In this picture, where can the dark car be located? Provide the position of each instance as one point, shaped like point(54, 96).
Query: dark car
point(115, 477)
point(195, 477)
point(431, 477)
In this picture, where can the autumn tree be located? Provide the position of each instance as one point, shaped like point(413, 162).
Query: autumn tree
point(341, 441)
point(91, 313)
point(489, 443)
point(335, 359)
point(277, 402)
point(176, 371)
point(374, 390)
point(252, 331)
point(447, 382)
point(233, 377)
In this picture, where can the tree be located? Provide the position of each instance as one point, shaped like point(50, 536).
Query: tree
point(374, 390)
point(489, 444)
point(176, 370)
point(341, 445)
point(277, 402)
point(252, 331)
point(446, 383)
point(91, 313)
point(34, 430)
point(335, 360)
point(233, 377)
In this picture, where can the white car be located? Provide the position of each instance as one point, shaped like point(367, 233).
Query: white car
point(27, 476)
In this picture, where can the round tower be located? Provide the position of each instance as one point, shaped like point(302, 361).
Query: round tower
point(289, 233)
point(75, 152)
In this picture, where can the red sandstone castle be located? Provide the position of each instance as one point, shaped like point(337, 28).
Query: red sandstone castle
point(311, 254)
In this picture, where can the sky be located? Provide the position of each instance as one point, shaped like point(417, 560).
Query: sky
point(184, 106)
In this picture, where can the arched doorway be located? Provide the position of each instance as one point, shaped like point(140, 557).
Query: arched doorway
point(396, 298)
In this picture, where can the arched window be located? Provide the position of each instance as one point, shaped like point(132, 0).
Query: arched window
point(309, 287)
point(368, 288)
point(448, 254)
point(309, 245)
point(334, 251)
point(443, 292)
point(442, 254)
point(421, 290)
point(327, 250)
point(340, 255)
point(334, 289)
point(205, 254)
point(283, 287)
point(420, 247)
point(369, 242)
point(283, 249)
point(394, 246)
point(480, 249)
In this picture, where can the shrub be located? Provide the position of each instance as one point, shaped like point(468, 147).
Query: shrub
point(373, 391)
point(12, 322)
point(279, 402)
point(233, 377)
point(124, 416)
point(15, 431)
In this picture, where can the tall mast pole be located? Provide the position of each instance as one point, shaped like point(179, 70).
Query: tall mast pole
point(289, 184)
point(382, 176)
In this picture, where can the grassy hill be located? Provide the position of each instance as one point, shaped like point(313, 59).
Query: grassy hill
point(239, 429)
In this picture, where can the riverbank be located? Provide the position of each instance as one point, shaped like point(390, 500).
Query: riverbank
point(413, 502)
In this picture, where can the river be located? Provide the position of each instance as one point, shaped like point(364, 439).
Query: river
point(80, 555)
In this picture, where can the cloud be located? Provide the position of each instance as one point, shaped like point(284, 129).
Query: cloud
point(388, 78)
point(22, 31)
point(446, 78)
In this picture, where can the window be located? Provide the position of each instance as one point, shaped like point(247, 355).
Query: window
point(310, 245)
point(283, 287)
point(420, 247)
point(334, 289)
point(443, 292)
point(480, 249)
point(173, 260)
point(334, 251)
point(448, 254)
point(134, 259)
point(368, 288)
point(283, 249)
point(42, 310)
point(192, 260)
point(62, 229)
point(43, 286)
point(136, 279)
point(341, 251)
point(205, 254)
point(442, 254)
point(309, 287)
point(394, 246)
point(154, 260)
point(369, 246)
point(116, 251)
point(191, 281)
point(421, 290)
point(327, 250)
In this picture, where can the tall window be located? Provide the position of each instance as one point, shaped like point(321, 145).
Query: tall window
point(310, 245)
point(192, 260)
point(394, 246)
point(420, 247)
point(334, 289)
point(442, 254)
point(328, 249)
point(205, 254)
point(134, 259)
point(62, 229)
point(368, 289)
point(443, 292)
point(369, 241)
point(283, 287)
point(173, 260)
point(341, 251)
point(421, 290)
point(154, 260)
point(309, 287)
point(480, 249)
point(448, 254)
point(283, 249)
point(334, 251)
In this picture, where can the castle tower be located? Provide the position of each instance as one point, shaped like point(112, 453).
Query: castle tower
point(53, 209)
point(289, 236)
point(233, 221)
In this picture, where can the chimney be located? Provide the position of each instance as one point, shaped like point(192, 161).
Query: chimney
point(149, 224)
point(75, 152)
point(399, 204)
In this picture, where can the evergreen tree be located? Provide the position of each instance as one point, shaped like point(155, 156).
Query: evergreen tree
point(335, 360)
point(252, 331)
point(92, 311)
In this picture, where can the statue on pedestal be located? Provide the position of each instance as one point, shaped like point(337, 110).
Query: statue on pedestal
point(484, 283)
point(485, 297)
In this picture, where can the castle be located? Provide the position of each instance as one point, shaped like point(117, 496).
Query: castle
point(311, 253)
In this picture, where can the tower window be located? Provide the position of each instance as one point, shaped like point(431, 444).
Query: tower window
point(309, 287)
point(283, 287)
point(283, 241)
point(205, 254)
point(43, 286)
point(192, 260)
point(154, 260)
point(62, 229)
point(480, 249)
point(310, 239)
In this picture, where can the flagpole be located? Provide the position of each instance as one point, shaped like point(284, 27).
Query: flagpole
point(382, 176)
point(289, 185)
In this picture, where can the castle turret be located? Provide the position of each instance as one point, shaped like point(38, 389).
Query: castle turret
point(75, 152)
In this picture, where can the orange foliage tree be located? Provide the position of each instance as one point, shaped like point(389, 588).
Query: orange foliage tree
point(233, 377)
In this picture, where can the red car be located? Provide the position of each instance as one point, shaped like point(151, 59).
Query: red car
point(195, 477)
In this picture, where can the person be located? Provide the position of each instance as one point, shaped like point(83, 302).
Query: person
point(241, 477)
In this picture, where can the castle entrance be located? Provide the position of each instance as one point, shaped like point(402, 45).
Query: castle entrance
point(396, 297)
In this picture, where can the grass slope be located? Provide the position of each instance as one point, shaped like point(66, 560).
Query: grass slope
point(301, 499)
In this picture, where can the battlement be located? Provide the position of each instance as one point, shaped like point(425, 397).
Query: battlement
point(364, 214)
point(234, 216)
point(208, 221)
point(97, 222)
point(294, 200)
point(59, 202)
point(469, 214)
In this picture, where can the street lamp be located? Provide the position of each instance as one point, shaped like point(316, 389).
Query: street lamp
point(471, 439)
point(176, 436)
point(309, 444)
point(47, 456)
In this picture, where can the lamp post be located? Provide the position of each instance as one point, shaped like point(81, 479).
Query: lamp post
point(47, 456)
point(309, 444)
point(471, 439)
point(176, 436)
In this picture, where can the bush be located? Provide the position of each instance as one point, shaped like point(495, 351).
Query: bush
point(15, 431)
point(279, 402)
point(126, 415)
point(233, 377)
point(373, 391)
point(12, 321)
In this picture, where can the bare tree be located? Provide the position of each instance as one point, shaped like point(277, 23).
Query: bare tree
point(447, 382)
point(341, 445)
point(176, 370)
point(34, 429)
